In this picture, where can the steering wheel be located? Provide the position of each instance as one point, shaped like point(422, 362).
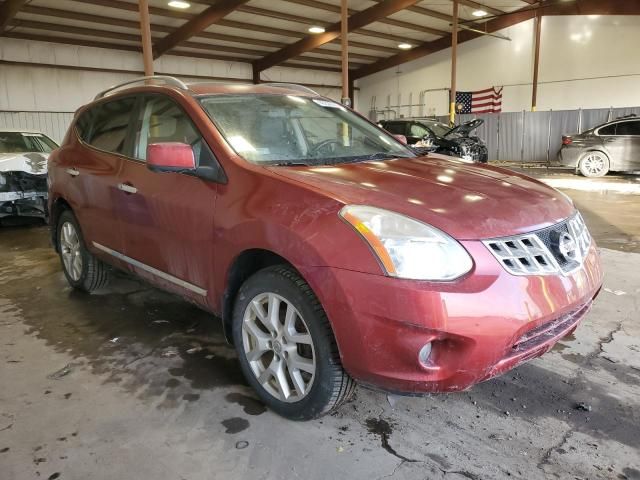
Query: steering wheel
point(323, 144)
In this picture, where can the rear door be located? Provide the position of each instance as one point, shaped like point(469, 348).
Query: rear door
point(627, 145)
point(95, 175)
point(167, 218)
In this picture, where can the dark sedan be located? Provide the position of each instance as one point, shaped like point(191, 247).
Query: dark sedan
point(613, 146)
point(429, 135)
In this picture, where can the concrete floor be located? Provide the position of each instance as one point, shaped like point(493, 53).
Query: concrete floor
point(133, 383)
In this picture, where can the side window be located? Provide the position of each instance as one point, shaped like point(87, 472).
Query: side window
point(418, 130)
point(608, 130)
point(162, 120)
point(83, 124)
point(395, 128)
point(110, 122)
point(628, 128)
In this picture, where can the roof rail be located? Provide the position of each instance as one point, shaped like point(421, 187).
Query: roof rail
point(291, 86)
point(163, 78)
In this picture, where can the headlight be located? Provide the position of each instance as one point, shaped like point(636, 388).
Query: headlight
point(407, 248)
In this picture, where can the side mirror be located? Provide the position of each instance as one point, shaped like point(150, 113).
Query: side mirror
point(401, 138)
point(170, 157)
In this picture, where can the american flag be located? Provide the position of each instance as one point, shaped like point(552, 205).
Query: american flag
point(482, 101)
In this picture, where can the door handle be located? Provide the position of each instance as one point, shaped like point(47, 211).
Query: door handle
point(609, 140)
point(127, 188)
point(73, 172)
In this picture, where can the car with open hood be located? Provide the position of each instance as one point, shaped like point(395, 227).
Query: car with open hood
point(23, 173)
point(427, 135)
point(331, 252)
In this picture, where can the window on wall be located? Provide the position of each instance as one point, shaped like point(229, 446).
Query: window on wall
point(109, 125)
point(628, 128)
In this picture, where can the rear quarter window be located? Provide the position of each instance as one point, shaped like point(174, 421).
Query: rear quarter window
point(608, 130)
point(395, 128)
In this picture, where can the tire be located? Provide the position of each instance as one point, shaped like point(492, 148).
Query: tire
point(594, 164)
point(303, 337)
point(83, 271)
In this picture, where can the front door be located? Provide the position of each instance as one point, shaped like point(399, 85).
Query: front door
point(167, 218)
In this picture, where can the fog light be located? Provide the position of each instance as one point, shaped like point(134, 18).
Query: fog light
point(425, 353)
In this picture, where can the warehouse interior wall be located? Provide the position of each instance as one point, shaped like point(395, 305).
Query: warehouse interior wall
point(586, 61)
point(29, 87)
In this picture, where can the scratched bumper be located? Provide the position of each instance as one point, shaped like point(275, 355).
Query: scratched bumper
point(480, 326)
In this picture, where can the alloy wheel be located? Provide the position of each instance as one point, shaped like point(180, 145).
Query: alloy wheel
point(278, 347)
point(594, 164)
point(71, 250)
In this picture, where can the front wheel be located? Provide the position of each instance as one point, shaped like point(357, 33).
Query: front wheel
point(82, 270)
point(286, 347)
point(594, 164)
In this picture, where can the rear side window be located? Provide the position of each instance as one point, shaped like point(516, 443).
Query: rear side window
point(628, 128)
point(109, 123)
point(395, 128)
point(418, 130)
point(608, 130)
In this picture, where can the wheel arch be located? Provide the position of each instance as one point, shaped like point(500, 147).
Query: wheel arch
point(598, 149)
point(242, 267)
point(58, 206)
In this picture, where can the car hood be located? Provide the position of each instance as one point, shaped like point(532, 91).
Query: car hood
point(29, 162)
point(465, 128)
point(466, 201)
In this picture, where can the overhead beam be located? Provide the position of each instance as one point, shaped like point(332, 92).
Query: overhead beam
point(355, 22)
point(329, 7)
point(8, 10)
point(479, 6)
point(196, 25)
point(244, 26)
point(593, 7)
point(119, 22)
point(133, 48)
point(299, 19)
point(498, 23)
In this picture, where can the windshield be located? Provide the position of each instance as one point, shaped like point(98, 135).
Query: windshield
point(18, 142)
point(440, 129)
point(287, 129)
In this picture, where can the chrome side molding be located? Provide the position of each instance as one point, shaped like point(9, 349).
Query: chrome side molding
point(154, 271)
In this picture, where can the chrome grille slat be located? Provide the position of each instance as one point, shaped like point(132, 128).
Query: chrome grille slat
point(533, 254)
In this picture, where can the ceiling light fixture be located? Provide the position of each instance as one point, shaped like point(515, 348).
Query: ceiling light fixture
point(404, 46)
point(479, 13)
point(179, 4)
point(316, 29)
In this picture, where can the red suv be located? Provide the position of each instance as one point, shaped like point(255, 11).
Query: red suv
point(331, 252)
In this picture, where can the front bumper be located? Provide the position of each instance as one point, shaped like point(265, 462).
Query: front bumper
point(481, 326)
point(23, 204)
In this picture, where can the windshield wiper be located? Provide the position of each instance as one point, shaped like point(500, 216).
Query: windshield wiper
point(383, 156)
point(288, 163)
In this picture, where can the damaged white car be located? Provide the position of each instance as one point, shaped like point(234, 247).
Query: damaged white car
point(23, 173)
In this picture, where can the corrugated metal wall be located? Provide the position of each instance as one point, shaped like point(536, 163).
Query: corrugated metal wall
point(535, 137)
point(53, 124)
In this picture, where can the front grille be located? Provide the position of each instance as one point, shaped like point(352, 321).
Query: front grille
point(560, 248)
point(539, 335)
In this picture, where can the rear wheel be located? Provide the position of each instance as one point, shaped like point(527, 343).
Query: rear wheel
point(594, 164)
point(82, 270)
point(286, 346)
